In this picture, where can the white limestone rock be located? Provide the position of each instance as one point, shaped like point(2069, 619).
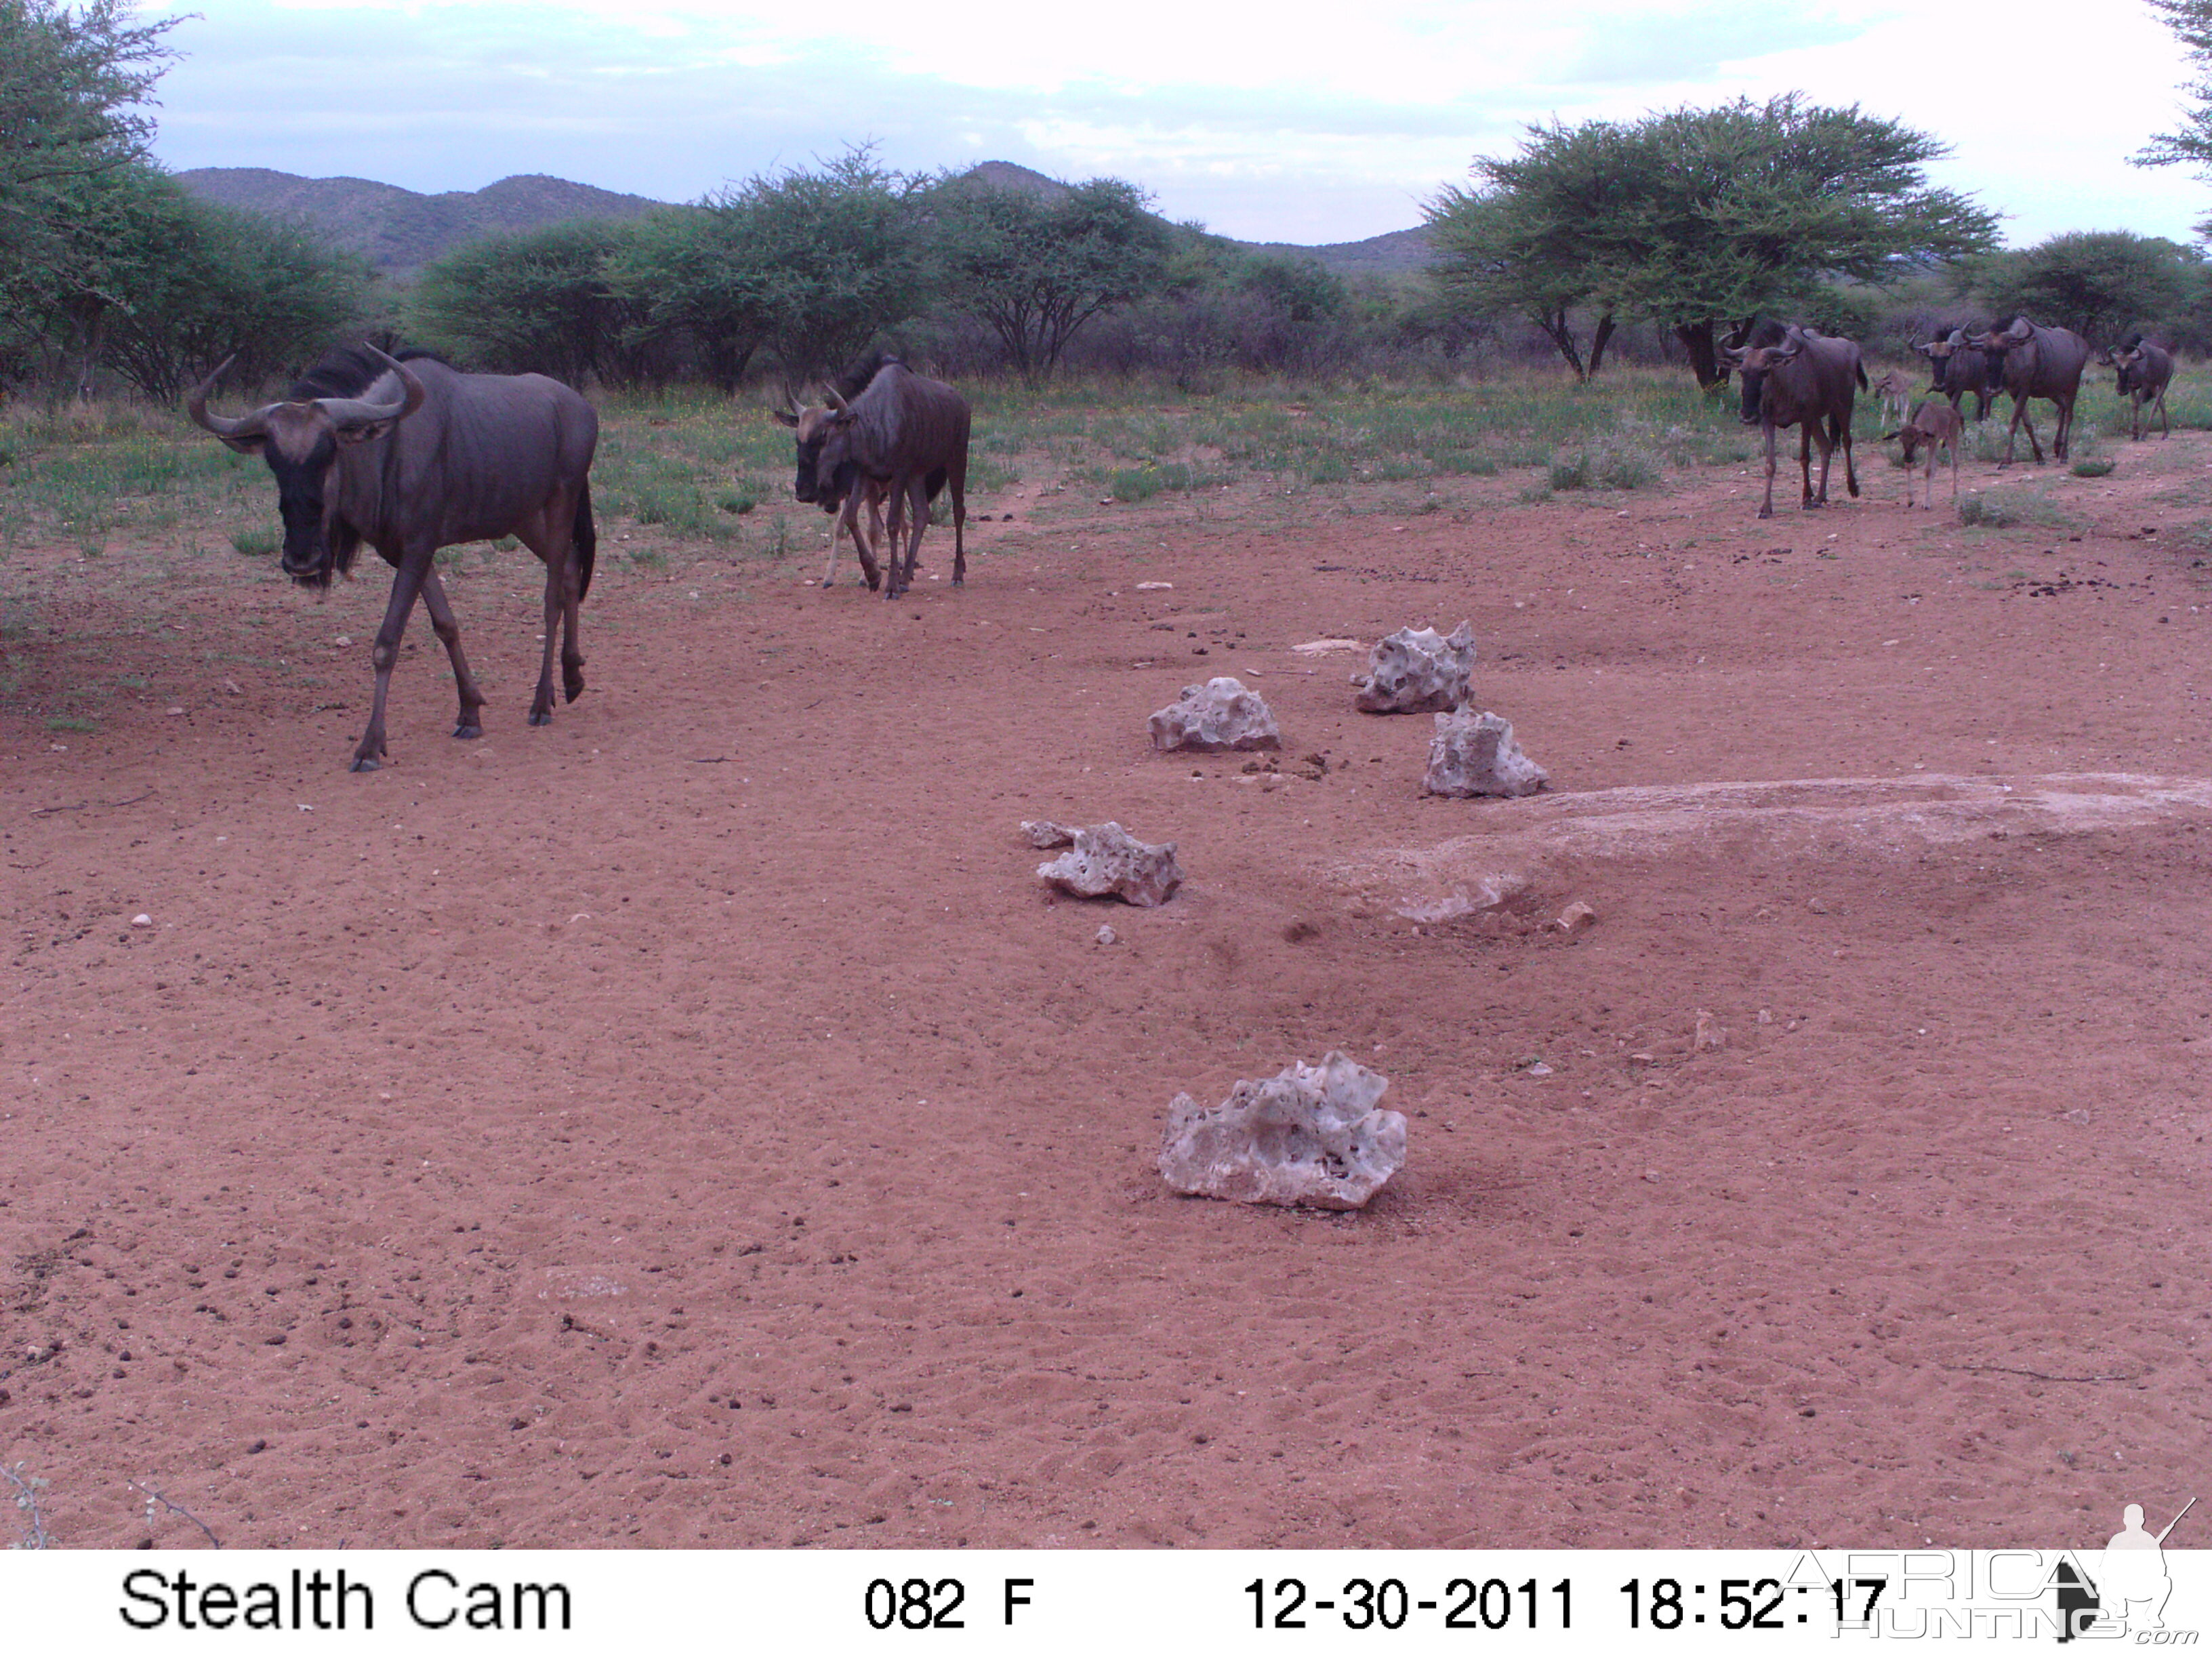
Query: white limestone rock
point(1043, 833)
point(1474, 754)
point(1311, 1134)
point(1218, 715)
point(1416, 672)
point(1106, 859)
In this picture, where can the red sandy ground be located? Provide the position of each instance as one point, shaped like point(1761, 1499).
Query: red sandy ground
point(696, 1124)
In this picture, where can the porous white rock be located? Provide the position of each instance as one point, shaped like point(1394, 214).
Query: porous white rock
point(1218, 715)
point(1415, 672)
point(1311, 1134)
point(1043, 833)
point(1107, 859)
point(1475, 755)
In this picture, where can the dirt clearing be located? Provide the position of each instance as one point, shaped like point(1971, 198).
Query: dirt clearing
point(694, 1123)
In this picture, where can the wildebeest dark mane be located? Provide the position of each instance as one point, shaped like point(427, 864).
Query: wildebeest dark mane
point(2004, 324)
point(854, 380)
point(348, 371)
point(1766, 332)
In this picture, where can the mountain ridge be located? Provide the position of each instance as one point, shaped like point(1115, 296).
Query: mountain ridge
point(399, 231)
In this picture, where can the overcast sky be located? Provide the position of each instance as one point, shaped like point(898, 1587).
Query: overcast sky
point(1317, 124)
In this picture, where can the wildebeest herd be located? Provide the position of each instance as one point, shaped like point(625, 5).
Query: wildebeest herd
point(411, 455)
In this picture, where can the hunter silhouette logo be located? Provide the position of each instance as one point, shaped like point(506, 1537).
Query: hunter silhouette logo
point(2130, 1586)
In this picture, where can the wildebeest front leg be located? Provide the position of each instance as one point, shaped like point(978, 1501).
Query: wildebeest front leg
point(405, 584)
point(1766, 506)
point(468, 723)
point(2061, 441)
point(2020, 418)
point(914, 501)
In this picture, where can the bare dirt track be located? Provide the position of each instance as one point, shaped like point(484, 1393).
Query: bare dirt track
point(694, 1123)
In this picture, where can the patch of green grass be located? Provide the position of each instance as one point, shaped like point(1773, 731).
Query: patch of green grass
point(256, 541)
point(1608, 466)
point(2013, 509)
point(2086, 469)
point(1141, 484)
point(70, 723)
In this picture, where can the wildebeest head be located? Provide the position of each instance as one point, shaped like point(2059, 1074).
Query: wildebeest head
point(1939, 352)
point(2009, 335)
point(1755, 362)
point(812, 425)
point(300, 439)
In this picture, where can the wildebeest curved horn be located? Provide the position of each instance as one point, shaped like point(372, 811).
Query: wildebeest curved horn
point(361, 411)
point(836, 402)
point(223, 425)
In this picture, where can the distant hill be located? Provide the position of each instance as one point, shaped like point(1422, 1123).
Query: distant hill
point(400, 231)
point(1391, 254)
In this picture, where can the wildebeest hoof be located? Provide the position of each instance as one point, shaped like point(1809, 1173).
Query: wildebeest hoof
point(572, 690)
point(366, 762)
point(541, 717)
point(468, 729)
point(1766, 512)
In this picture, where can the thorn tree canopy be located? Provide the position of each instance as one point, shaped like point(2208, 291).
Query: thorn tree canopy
point(1694, 217)
point(2191, 23)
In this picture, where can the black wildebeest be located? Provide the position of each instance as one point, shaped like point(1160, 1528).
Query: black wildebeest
point(1956, 368)
point(2037, 363)
point(1793, 378)
point(2144, 373)
point(904, 432)
point(1935, 427)
point(410, 456)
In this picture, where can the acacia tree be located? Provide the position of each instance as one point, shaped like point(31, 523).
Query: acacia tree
point(534, 302)
point(693, 271)
point(1036, 269)
point(1524, 242)
point(2191, 23)
point(832, 255)
point(73, 83)
point(2096, 282)
point(1697, 218)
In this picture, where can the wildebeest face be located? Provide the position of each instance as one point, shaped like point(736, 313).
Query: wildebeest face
point(1938, 352)
point(812, 426)
point(302, 444)
point(301, 441)
point(304, 488)
point(1755, 365)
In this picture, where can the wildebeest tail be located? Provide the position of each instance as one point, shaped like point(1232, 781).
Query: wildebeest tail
point(1860, 370)
point(586, 542)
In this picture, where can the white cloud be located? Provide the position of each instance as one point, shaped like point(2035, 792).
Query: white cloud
point(1319, 123)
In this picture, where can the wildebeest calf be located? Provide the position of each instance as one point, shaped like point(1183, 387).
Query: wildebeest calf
point(1935, 427)
point(1896, 395)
